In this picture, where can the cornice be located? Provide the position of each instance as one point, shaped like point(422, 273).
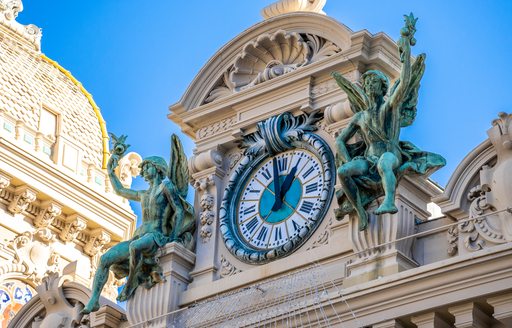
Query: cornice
point(103, 209)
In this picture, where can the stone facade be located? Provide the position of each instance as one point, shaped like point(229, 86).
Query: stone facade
point(406, 270)
point(55, 207)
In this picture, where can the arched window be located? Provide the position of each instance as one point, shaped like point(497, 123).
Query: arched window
point(13, 295)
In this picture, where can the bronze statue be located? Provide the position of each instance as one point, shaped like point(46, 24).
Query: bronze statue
point(373, 166)
point(166, 217)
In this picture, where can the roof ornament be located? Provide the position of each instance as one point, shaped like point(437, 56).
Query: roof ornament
point(9, 10)
point(288, 6)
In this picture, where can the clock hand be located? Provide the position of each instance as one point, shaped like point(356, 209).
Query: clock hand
point(288, 180)
point(277, 188)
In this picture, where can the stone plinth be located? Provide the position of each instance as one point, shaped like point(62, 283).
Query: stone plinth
point(372, 262)
point(151, 306)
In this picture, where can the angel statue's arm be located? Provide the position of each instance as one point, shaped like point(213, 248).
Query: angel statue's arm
point(116, 183)
point(345, 135)
point(404, 45)
point(355, 95)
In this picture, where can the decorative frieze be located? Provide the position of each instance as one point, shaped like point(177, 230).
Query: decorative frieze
point(216, 127)
point(98, 238)
point(74, 224)
point(23, 197)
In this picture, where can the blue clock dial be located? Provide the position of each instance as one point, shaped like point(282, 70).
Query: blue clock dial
point(278, 194)
point(266, 218)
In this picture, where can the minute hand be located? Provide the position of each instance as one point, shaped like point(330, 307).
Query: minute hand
point(287, 183)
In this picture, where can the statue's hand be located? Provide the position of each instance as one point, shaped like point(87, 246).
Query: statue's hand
point(113, 162)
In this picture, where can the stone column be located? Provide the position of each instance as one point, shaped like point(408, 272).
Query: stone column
point(153, 306)
point(372, 262)
point(207, 176)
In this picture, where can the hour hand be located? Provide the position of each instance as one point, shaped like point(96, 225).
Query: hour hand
point(278, 202)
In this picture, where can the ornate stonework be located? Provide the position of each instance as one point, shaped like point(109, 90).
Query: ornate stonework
point(49, 211)
point(227, 268)
point(23, 197)
point(73, 226)
point(216, 127)
point(98, 238)
point(270, 56)
point(288, 6)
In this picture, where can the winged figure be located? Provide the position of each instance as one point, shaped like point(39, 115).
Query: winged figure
point(166, 217)
point(371, 168)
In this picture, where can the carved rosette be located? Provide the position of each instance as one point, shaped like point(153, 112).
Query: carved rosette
point(23, 197)
point(98, 238)
point(271, 56)
point(73, 226)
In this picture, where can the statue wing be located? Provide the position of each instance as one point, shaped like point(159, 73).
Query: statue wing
point(408, 107)
point(178, 167)
point(356, 96)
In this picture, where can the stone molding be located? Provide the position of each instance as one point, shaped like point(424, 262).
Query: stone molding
point(9, 10)
point(282, 7)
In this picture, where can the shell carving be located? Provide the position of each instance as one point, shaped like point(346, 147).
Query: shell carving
point(268, 57)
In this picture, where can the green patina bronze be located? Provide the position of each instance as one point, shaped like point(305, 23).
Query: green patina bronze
point(372, 167)
point(166, 217)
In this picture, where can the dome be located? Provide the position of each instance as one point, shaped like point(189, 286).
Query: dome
point(43, 108)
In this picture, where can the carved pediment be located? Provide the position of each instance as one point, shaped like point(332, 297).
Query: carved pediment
point(269, 56)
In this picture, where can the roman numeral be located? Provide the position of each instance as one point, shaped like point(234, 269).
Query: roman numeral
point(254, 191)
point(311, 187)
point(250, 210)
point(262, 235)
point(296, 226)
point(306, 207)
point(283, 164)
point(278, 235)
point(252, 225)
point(308, 172)
point(266, 173)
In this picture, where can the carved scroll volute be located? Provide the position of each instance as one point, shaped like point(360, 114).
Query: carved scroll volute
point(98, 238)
point(74, 225)
point(204, 161)
point(49, 211)
point(23, 197)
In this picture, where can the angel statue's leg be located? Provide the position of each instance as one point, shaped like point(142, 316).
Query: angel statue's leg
point(346, 172)
point(116, 254)
point(145, 245)
point(386, 165)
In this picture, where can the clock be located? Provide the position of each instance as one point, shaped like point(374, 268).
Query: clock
point(280, 191)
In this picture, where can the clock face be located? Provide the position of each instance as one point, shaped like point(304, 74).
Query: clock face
point(272, 204)
point(262, 223)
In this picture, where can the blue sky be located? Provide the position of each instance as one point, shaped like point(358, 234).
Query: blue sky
point(136, 58)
